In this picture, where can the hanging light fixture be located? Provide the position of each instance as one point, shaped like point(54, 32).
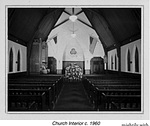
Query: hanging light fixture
point(73, 34)
point(73, 18)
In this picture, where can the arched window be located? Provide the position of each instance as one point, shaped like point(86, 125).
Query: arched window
point(115, 62)
point(128, 61)
point(18, 61)
point(136, 60)
point(112, 62)
point(11, 60)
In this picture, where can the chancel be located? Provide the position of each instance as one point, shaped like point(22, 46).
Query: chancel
point(74, 59)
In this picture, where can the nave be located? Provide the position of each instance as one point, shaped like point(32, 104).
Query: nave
point(105, 92)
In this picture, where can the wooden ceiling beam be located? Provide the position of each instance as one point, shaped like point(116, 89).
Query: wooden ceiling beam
point(73, 11)
point(67, 13)
point(16, 39)
point(85, 23)
point(61, 23)
point(29, 45)
point(104, 46)
point(79, 12)
point(56, 19)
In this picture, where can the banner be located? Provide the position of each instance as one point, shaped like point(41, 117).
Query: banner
point(52, 44)
point(93, 42)
point(55, 39)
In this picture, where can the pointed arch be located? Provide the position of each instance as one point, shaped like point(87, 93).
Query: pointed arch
point(18, 61)
point(112, 62)
point(136, 60)
point(11, 60)
point(115, 62)
point(128, 61)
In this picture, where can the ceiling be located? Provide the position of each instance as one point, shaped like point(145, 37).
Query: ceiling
point(114, 26)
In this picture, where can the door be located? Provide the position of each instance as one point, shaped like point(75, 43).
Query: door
point(52, 65)
point(97, 65)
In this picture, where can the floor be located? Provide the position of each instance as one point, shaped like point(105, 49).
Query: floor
point(73, 98)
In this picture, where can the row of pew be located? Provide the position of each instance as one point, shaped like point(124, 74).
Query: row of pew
point(110, 93)
point(33, 93)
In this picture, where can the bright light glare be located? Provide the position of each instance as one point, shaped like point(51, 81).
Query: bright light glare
point(73, 35)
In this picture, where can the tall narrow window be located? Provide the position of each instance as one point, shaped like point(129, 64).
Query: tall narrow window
point(112, 62)
point(128, 61)
point(136, 60)
point(115, 62)
point(18, 61)
point(11, 60)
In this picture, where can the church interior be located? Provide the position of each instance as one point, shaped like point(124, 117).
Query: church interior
point(73, 59)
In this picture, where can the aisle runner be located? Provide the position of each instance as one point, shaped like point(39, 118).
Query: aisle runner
point(73, 98)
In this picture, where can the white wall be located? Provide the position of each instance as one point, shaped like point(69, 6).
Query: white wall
point(79, 56)
point(81, 42)
point(112, 53)
point(131, 46)
point(124, 49)
point(23, 56)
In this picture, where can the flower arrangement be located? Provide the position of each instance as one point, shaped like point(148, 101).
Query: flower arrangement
point(44, 69)
point(73, 72)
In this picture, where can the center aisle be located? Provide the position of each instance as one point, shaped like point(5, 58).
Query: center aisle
point(73, 98)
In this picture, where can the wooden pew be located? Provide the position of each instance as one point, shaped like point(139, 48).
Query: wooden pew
point(117, 86)
point(55, 86)
point(35, 79)
point(113, 76)
point(108, 84)
point(30, 81)
point(120, 102)
point(35, 87)
point(20, 93)
point(27, 102)
point(102, 98)
point(116, 90)
point(121, 82)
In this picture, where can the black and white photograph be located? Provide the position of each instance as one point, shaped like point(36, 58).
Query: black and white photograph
point(75, 59)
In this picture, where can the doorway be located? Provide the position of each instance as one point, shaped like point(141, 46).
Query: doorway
point(52, 65)
point(97, 65)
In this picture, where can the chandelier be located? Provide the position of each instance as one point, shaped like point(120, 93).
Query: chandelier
point(73, 18)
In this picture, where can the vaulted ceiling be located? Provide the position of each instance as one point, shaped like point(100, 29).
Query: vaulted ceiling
point(114, 26)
